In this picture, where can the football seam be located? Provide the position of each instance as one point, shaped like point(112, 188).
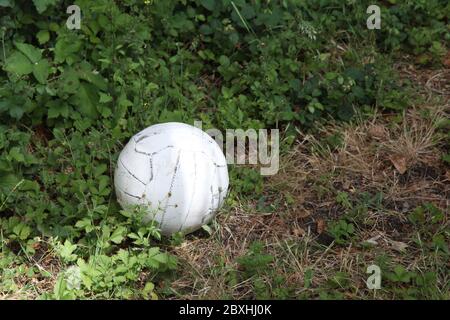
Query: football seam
point(208, 155)
point(192, 196)
point(130, 173)
point(129, 194)
point(138, 138)
point(153, 153)
point(171, 187)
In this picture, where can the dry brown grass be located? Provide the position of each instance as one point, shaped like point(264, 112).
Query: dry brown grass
point(312, 174)
point(30, 288)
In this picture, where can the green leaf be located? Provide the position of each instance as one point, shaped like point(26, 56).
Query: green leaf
point(149, 286)
point(152, 86)
point(207, 229)
point(118, 235)
point(446, 158)
point(148, 291)
point(16, 112)
point(206, 29)
point(87, 281)
point(19, 64)
point(234, 38)
point(66, 251)
point(160, 257)
point(208, 4)
point(87, 73)
point(41, 70)
point(42, 5)
point(6, 3)
point(8, 181)
point(126, 213)
point(224, 61)
point(248, 12)
point(15, 154)
point(100, 169)
point(43, 36)
point(66, 46)
point(32, 53)
point(69, 81)
point(25, 232)
point(22, 231)
point(56, 109)
point(105, 98)
point(86, 100)
point(85, 224)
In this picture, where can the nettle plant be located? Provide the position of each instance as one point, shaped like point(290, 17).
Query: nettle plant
point(261, 62)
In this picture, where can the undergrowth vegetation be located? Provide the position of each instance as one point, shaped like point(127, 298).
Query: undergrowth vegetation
point(70, 99)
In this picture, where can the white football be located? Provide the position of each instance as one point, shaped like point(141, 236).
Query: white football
point(177, 171)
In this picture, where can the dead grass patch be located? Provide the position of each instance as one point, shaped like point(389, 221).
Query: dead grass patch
point(399, 159)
